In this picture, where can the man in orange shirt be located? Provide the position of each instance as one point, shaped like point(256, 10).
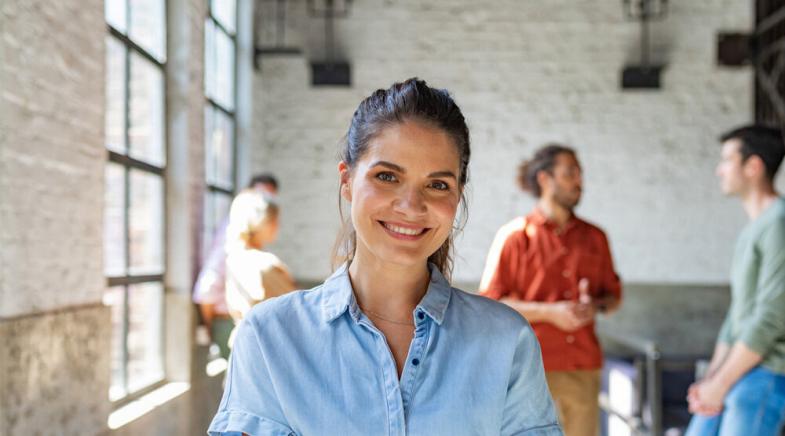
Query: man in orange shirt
point(556, 270)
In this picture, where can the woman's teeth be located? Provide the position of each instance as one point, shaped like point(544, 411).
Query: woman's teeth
point(403, 230)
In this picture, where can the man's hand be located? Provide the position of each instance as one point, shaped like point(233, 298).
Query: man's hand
point(585, 309)
point(568, 315)
point(705, 397)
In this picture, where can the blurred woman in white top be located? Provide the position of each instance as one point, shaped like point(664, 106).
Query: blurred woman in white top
point(252, 274)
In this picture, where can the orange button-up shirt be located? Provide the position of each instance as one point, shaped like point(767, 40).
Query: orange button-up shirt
point(531, 260)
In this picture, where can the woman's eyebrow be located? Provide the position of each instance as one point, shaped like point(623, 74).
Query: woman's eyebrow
point(389, 165)
point(400, 169)
point(443, 174)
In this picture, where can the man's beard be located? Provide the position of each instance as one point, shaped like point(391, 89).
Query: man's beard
point(568, 202)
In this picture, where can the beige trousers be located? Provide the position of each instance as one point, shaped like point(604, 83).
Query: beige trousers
point(576, 396)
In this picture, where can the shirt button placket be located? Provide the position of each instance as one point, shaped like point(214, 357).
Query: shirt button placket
point(395, 410)
point(415, 359)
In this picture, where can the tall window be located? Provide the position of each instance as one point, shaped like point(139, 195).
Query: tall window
point(134, 195)
point(219, 114)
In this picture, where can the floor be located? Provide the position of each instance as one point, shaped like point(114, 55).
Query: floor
point(189, 414)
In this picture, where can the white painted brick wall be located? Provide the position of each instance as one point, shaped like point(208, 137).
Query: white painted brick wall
point(524, 73)
point(51, 154)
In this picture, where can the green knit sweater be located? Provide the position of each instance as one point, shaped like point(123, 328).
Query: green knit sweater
point(756, 316)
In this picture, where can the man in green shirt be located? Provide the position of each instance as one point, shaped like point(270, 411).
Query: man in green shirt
point(743, 391)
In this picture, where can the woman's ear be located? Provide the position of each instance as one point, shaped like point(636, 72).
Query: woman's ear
point(345, 179)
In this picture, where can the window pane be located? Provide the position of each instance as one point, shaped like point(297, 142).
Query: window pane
point(219, 150)
point(146, 222)
point(114, 297)
point(115, 13)
point(224, 11)
point(209, 58)
point(219, 66)
point(115, 95)
point(114, 221)
point(147, 26)
point(145, 331)
point(216, 209)
point(146, 106)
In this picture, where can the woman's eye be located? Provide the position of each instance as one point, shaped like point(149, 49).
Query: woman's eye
point(386, 177)
point(441, 186)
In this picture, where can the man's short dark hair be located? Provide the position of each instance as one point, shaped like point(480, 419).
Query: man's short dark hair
point(543, 160)
point(264, 179)
point(762, 141)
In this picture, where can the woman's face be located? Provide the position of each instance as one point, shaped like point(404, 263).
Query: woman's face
point(404, 193)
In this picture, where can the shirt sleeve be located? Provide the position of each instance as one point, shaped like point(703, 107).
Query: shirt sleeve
point(725, 337)
point(250, 404)
point(529, 408)
point(276, 281)
point(610, 282)
point(497, 278)
point(209, 287)
point(767, 322)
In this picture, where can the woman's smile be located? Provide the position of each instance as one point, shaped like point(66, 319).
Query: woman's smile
point(406, 232)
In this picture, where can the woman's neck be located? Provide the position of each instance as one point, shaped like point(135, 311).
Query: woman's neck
point(388, 289)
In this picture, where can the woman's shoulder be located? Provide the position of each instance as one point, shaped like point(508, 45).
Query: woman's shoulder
point(492, 313)
point(488, 325)
point(292, 307)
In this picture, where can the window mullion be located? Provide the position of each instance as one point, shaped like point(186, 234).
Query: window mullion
point(131, 45)
point(215, 188)
point(220, 25)
point(234, 105)
point(128, 17)
point(136, 164)
point(126, 209)
point(220, 107)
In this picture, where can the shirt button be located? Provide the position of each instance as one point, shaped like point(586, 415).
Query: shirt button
point(565, 273)
point(415, 362)
point(420, 315)
point(567, 294)
point(570, 339)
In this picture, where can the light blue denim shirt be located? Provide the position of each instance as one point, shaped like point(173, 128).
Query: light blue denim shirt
point(311, 363)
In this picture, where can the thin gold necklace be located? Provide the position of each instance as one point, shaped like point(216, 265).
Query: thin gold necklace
point(409, 324)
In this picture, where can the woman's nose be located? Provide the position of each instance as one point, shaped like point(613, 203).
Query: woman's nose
point(411, 202)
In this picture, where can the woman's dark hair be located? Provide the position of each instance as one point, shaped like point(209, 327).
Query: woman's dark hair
point(544, 159)
point(758, 140)
point(412, 100)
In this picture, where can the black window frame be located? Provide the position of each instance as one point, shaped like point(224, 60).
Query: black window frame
point(129, 164)
point(212, 188)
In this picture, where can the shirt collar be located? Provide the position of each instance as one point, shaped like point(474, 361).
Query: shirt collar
point(437, 297)
point(339, 297)
point(538, 218)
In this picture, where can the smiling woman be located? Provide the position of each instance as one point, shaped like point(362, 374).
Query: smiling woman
point(386, 345)
point(405, 188)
